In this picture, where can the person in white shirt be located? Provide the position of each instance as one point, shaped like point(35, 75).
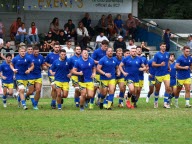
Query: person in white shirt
point(69, 50)
point(33, 33)
point(99, 39)
point(131, 44)
point(1, 42)
point(22, 34)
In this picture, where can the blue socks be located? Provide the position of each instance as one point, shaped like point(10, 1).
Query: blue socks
point(59, 106)
point(92, 100)
point(77, 101)
point(23, 103)
point(53, 102)
point(110, 97)
point(121, 96)
point(166, 96)
point(4, 99)
point(156, 96)
point(35, 103)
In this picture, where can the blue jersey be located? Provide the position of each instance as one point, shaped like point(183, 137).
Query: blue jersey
point(7, 72)
point(183, 61)
point(86, 67)
point(118, 61)
point(158, 59)
point(98, 54)
point(22, 64)
point(108, 66)
point(61, 69)
point(38, 61)
point(73, 60)
point(144, 60)
point(132, 66)
point(152, 70)
point(51, 57)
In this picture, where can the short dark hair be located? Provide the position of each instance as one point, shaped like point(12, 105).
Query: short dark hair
point(162, 43)
point(132, 40)
point(126, 50)
point(8, 55)
point(186, 47)
point(56, 43)
point(62, 50)
point(138, 47)
point(36, 48)
point(69, 20)
point(105, 42)
point(18, 18)
point(172, 54)
point(29, 45)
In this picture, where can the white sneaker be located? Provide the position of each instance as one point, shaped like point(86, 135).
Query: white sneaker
point(5, 105)
point(147, 99)
point(167, 106)
point(155, 105)
point(25, 107)
point(188, 106)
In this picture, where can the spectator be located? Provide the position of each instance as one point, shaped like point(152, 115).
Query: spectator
point(67, 33)
point(82, 35)
point(87, 23)
point(145, 49)
point(44, 49)
point(62, 37)
point(166, 39)
point(100, 38)
point(119, 26)
point(22, 35)
point(1, 42)
point(54, 27)
point(131, 26)
point(69, 50)
point(111, 32)
point(6, 49)
point(49, 40)
point(33, 33)
point(131, 44)
point(189, 43)
point(14, 27)
point(119, 43)
point(2, 29)
point(71, 28)
point(102, 24)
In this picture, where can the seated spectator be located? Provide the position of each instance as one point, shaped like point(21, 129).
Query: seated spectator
point(69, 50)
point(22, 35)
point(71, 28)
point(100, 38)
point(144, 48)
point(49, 40)
point(67, 33)
point(189, 43)
point(119, 26)
point(54, 27)
point(87, 23)
point(111, 32)
point(102, 24)
point(44, 50)
point(131, 44)
point(131, 26)
point(1, 42)
point(2, 29)
point(6, 49)
point(62, 37)
point(82, 35)
point(14, 27)
point(119, 43)
point(33, 33)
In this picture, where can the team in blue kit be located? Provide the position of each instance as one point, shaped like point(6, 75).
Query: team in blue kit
point(99, 74)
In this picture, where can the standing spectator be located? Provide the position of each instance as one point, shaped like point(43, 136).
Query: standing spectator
point(82, 35)
point(102, 24)
point(2, 29)
point(119, 26)
point(87, 23)
point(14, 27)
point(22, 35)
point(33, 33)
point(71, 28)
point(131, 26)
point(119, 43)
point(100, 38)
point(145, 49)
point(166, 39)
point(49, 40)
point(7, 49)
point(131, 44)
point(189, 43)
point(111, 32)
point(62, 37)
point(54, 27)
point(69, 50)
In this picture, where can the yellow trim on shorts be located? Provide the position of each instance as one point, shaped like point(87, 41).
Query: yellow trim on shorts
point(160, 79)
point(97, 78)
point(141, 83)
point(74, 80)
point(151, 83)
point(136, 84)
point(22, 82)
point(9, 86)
point(86, 85)
point(63, 85)
point(121, 80)
point(51, 79)
point(106, 83)
point(184, 81)
point(33, 81)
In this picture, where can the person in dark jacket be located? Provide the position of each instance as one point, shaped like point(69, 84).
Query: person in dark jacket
point(119, 43)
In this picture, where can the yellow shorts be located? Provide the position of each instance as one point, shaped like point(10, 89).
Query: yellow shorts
point(9, 86)
point(63, 85)
point(74, 80)
point(86, 85)
point(97, 78)
point(151, 83)
point(122, 80)
point(32, 82)
point(136, 84)
point(22, 82)
point(160, 79)
point(141, 82)
point(184, 81)
point(106, 83)
point(51, 79)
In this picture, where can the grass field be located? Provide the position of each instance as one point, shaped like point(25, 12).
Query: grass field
point(142, 125)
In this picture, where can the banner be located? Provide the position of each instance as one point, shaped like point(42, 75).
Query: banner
point(107, 6)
